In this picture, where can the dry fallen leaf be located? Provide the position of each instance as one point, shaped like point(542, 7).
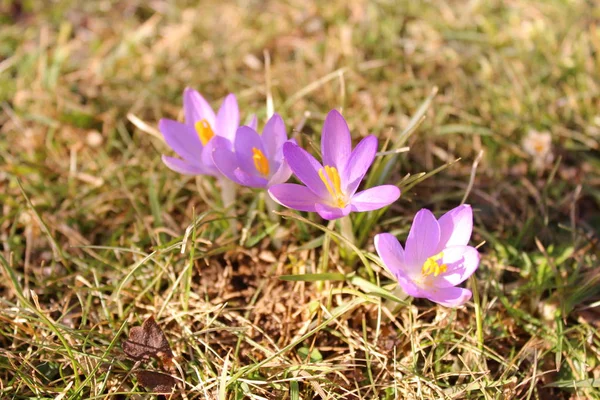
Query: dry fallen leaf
point(148, 341)
point(156, 382)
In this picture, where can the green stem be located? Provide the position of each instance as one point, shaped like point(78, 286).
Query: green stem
point(478, 312)
point(271, 206)
point(393, 306)
point(324, 261)
point(346, 229)
point(228, 199)
point(347, 233)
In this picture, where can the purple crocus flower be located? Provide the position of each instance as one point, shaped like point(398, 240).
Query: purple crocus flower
point(331, 188)
point(436, 258)
point(255, 160)
point(193, 140)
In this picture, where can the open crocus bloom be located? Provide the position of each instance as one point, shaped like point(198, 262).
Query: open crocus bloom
point(255, 160)
point(331, 188)
point(436, 258)
point(193, 140)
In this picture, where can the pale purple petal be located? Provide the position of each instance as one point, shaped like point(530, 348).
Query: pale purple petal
point(220, 141)
point(207, 157)
point(183, 167)
point(182, 138)
point(391, 252)
point(226, 162)
point(253, 123)
point(228, 118)
point(273, 136)
point(461, 262)
point(282, 174)
point(423, 239)
point(246, 139)
point(449, 297)
point(456, 227)
point(196, 108)
point(306, 168)
point(278, 158)
point(250, 180)
point(294, 196)
point(359, 162)
point(409, 287)
point(374, 198)
point(331, 213)
point(336, 143)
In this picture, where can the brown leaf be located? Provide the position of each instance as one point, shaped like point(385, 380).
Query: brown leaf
point(148, 341)
point(156, 382)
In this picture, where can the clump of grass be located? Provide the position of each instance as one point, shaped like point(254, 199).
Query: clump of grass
point(92, 224)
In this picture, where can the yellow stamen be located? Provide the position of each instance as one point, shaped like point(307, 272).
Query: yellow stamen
point(205, 132)
point(539, 147)
point(431, 266)
point(260, 162)
point(331, 178)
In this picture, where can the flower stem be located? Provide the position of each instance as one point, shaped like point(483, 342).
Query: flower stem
point(324, 261)
point(228, 198)
point(392, 305)
point(271, 206)
point(346, 229)
point(478, 313)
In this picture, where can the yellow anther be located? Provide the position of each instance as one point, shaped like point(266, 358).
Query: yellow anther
point(205, 132)
point(539, 147)
point(331, 178)
point(260, 162)
point(431, 266)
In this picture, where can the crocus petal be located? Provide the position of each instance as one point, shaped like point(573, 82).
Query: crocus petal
point(250, 180)
point(306, 168)
point(253, 123)
point(273, 135)
point(228, 118)
point(207, 157)
point(391, 252)
point(220, 141)
point(246, 139)
point(359, 162)
point(408, 285)
point(374, 198)
point(449, 297)
point(294, 196)
point(226, 162)
point(181, 138)
point(422, 241)
point(183, 167)
point(196, 108)
point(277, 159)
point(282, 174)
point(336, 143)
point(331, 213)
point(461, 262)
point(456, 227)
